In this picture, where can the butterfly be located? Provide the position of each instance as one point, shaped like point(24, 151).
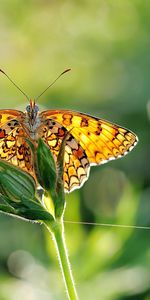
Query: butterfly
point(90, 140)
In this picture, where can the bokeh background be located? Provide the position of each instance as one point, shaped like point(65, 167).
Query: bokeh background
point(107, 45)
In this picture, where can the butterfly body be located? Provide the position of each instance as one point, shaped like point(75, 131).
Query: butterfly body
point(31, 120)
point(90, 141)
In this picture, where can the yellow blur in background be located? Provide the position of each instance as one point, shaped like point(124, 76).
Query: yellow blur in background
point(106, 44)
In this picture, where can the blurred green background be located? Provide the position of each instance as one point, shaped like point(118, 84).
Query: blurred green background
point(107, 45)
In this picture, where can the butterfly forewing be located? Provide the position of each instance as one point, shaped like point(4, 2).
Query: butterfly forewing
point(101, 140)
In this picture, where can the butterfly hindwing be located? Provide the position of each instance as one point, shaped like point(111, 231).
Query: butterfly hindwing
point(76, 163)
point(13, 147)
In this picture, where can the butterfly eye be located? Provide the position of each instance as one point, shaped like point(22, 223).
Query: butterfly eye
point(36, 108)
point(28, 108)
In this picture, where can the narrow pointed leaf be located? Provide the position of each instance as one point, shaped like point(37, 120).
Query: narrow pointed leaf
point(45, 167)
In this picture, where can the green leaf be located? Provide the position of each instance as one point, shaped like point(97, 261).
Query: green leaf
point(26, 208)
point(50, 175)
point(45, 167)
point(33, 210)
point(60, 199)
point(14, 182)
point(17, 191)
point(7, 209)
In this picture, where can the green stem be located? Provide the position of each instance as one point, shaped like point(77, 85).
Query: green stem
point(57, 231)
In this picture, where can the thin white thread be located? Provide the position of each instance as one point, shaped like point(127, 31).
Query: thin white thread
point(108, 225)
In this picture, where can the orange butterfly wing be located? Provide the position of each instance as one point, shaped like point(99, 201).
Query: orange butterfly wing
point(76, 163)
point(13, 147)
point(98, 140)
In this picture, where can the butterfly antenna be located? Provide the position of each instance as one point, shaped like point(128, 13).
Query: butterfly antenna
point(14, 84)
point(65, 71)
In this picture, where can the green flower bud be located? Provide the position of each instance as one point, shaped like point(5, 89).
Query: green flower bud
point(45, 168)
point(15, 183)
point(50, 176)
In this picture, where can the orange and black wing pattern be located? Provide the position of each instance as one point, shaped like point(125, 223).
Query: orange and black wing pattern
point(13, 147)
point(76, 163)
point(91, 141)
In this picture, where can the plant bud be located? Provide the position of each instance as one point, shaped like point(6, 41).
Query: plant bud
point(45, 167)
point(15, 183)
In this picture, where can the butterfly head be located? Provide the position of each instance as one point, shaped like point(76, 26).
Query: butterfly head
point(32, 111)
